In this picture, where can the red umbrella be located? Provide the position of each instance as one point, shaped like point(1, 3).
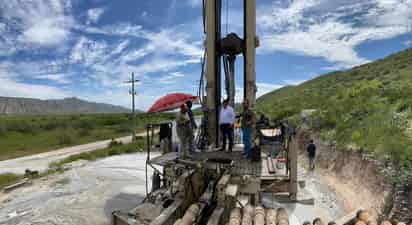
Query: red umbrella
point(170, 102)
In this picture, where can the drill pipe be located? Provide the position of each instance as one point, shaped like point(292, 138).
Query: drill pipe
point(248, 212)
point(235, 217)
point(190, 215)
point(271, 217)
point(259, 216)
point(282, 217)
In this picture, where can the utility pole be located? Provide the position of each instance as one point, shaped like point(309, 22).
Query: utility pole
point(133, 93)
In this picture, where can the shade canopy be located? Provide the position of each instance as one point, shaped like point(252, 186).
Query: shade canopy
point(171, 102)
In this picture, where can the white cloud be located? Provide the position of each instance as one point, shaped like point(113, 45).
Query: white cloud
point(171, 78)
point(13, 88)
point(407, 43)
point(89, 52)
point(57, 78)
point(41, 23)
point(294, 81)
point(264, 88)
point(122, 45)
point(320, 28)
point(194, 3)
point(93, 15)
point(45, 32)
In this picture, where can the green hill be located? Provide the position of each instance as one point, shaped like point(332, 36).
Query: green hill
point(368, 107)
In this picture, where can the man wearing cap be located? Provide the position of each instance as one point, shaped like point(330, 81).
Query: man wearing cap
point(226, 121)
point(184, 130)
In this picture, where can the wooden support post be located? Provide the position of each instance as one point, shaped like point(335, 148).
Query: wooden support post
point(293, 175)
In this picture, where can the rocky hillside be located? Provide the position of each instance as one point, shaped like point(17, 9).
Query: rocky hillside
point(9, 105)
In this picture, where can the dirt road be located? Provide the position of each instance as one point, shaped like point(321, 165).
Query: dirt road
point(40, 162)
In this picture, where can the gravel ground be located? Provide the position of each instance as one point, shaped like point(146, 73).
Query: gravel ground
point(90, 191)
point(86, 194)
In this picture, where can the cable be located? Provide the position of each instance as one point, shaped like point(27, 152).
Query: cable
point(227, 17)
point(204, 17)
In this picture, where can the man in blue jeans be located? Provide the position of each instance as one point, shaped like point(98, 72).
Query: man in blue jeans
point(247, 124)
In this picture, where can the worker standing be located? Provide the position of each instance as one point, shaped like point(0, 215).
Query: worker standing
point(184, 130)
point(226, 121)
point(193, 124)
point(248, 121)
point(311, 149)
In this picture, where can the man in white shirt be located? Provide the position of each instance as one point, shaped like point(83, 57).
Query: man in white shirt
point(226, 121)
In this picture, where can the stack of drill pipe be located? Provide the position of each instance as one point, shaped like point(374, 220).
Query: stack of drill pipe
point(235, 217)
point(318, 221)
point(248, 212)
point(282, 217)
point(190, 215)
point(259, 216)
point(271, 217)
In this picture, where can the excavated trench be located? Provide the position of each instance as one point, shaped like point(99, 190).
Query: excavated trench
point(360, 181)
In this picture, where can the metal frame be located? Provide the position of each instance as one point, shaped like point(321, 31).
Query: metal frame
point(150, 132)
point(213, 61)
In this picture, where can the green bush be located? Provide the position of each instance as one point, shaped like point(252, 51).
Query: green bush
point(84, 124)
point(65, 138)
point(123, 128)
point(83, 132)
point(114, 143)
point(3, 130)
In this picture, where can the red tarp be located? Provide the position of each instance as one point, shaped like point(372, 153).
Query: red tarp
point(170, 102)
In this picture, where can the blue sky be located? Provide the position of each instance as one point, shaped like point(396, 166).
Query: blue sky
point(61, 48)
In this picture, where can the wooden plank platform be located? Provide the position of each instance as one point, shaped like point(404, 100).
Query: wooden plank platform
point(239, 164)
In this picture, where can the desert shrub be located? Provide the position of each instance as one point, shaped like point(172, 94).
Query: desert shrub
point(122, 128)
point(114, 143)
point(55, 124)
point(22, 126)
point(84, 124)
point(65, 138)
point(83, 132)
point(3, 129)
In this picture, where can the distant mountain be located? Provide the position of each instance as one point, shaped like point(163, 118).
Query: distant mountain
point(12, 105)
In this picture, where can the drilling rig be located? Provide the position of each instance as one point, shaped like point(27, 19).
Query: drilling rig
point(214, 187)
